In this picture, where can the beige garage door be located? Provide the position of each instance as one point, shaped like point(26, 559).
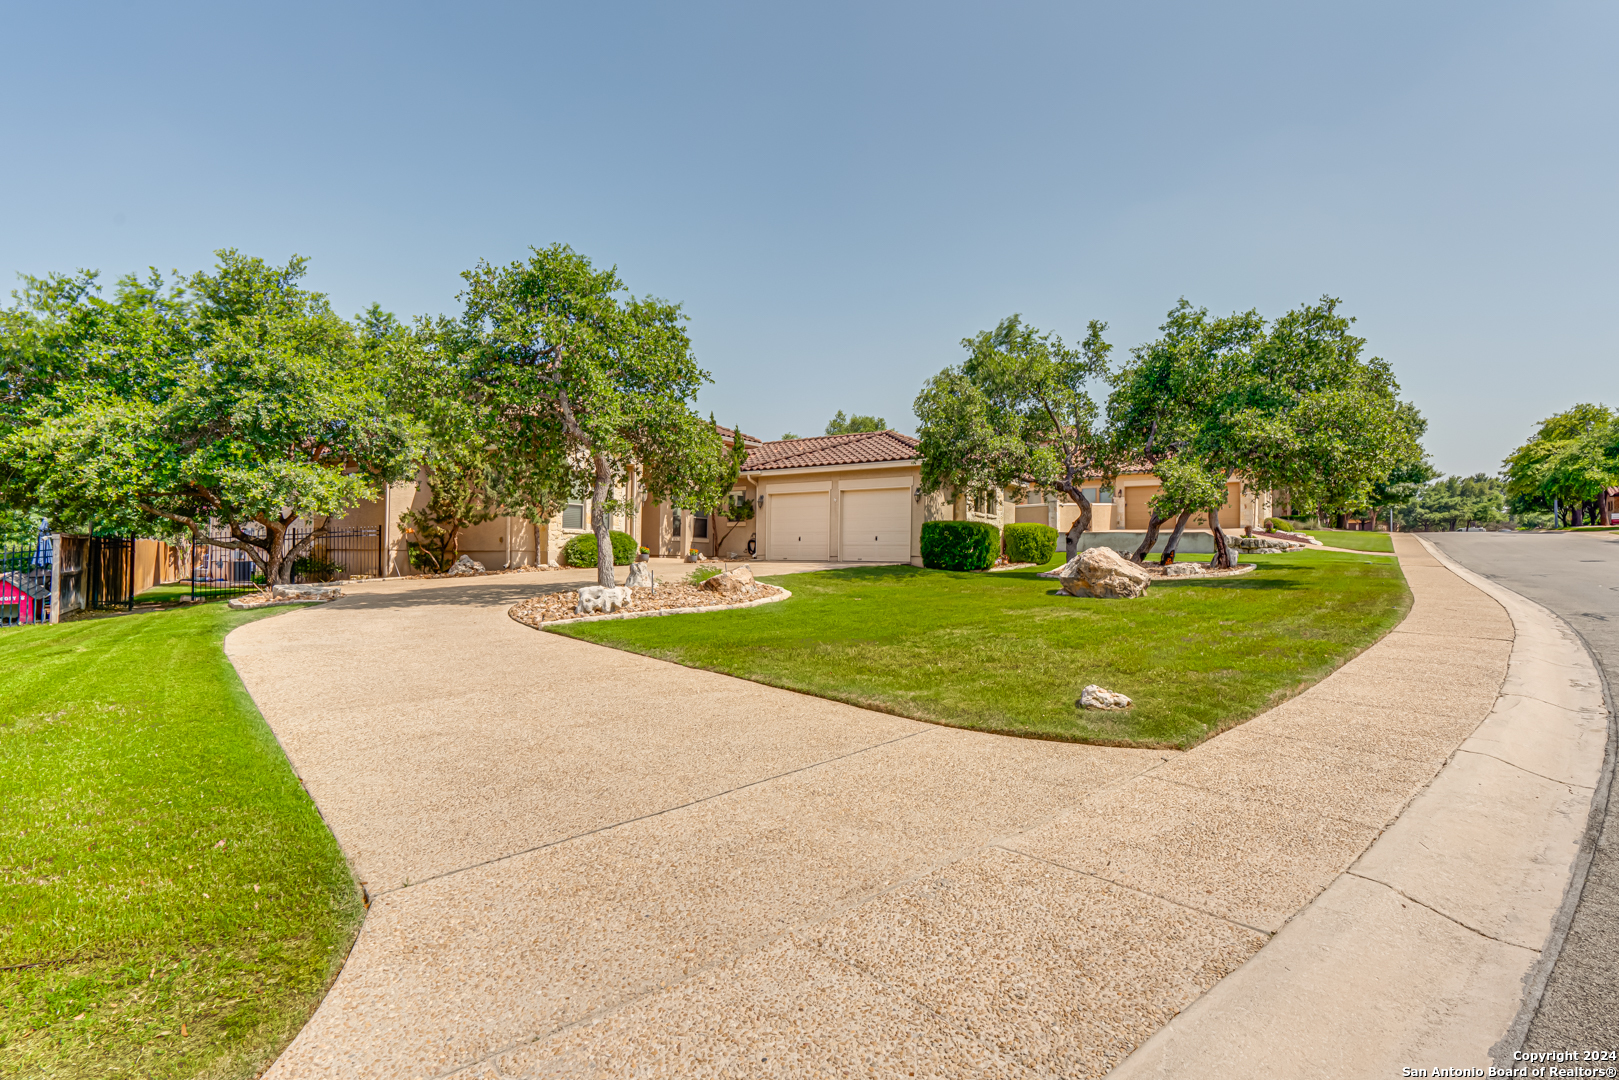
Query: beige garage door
point(876, 525)
point(798, 525)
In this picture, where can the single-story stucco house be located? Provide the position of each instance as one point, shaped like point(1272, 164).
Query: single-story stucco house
point(854, 498)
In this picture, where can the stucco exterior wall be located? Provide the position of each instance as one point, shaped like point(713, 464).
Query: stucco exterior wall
point(833, 480)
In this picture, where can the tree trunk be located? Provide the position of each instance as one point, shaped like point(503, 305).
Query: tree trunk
point(1154, 522)
point(601, 524)
point(277, 566)
point(1081, 524)
point(1223, 558)
point(1340, 521)
point(1174, 539)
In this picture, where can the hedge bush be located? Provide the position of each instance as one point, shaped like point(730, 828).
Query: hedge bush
point(1030, 541)
point(581, 550)
point(959, 545)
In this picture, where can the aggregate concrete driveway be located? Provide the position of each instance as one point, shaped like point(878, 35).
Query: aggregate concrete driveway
point(1577, 576)
point(585, 862)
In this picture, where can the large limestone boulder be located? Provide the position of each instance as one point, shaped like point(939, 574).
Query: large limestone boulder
point(1185, 569)
point(733, 582)
point(465, 565)
point(1105, 574)
point(640, 576)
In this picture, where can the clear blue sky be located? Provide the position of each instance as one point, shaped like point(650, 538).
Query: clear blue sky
point(838, 194)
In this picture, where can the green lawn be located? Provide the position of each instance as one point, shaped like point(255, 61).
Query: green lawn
point(171, 904)
point(1002, 652)
point(1353, 539)
point(181, 590)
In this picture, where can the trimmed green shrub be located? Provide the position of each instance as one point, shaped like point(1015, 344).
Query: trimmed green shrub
point(1029, 541)
point(959, 545)
point(581, 550)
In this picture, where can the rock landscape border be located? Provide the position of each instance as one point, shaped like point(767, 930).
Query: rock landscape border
point(783, 595)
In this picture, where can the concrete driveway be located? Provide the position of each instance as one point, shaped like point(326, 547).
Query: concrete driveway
point(585, 862)
point(1577, 576)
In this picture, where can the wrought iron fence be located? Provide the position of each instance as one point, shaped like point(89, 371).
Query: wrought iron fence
point(25, 583)
point(111, 565)
point(333, 555)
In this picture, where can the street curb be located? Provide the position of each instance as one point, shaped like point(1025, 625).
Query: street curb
point(1426, 950)
point(1535, 984)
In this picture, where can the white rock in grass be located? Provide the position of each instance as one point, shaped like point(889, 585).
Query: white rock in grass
point(1185, 569)
point(1094, 697)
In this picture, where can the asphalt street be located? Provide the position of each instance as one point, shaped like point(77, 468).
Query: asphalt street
point(1576, 575)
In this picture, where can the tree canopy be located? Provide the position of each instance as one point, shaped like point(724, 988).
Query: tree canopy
point(1570, 460)
point(1455, 502)
point(580, 385)
point(1015, 414)
point(234, 398)
point(845, 425)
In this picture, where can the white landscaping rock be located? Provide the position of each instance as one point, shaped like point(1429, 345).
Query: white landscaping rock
point(732, 582)
point(306, 592)
point(1094, 697)
point(640, 576)
point(1103, 573)
point(594, 598)
point(1185, 569)
point(464, 566)
point(1267, 543)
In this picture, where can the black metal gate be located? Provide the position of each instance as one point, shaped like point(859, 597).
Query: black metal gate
point(333, 555)
point(111, 573)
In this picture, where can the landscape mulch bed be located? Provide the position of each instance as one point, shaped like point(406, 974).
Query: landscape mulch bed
point(668, 596)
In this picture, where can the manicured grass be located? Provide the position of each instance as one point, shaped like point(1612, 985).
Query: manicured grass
point(182, 903)
point(1005, 652)
point(1353, 539)
point(181, 590)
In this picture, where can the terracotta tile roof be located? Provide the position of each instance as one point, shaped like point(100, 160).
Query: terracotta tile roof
point(729, 435)
point(859, 448)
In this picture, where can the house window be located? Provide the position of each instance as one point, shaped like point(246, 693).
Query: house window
point(674, 523)
point(10, 614)
point(573, 516)
point(699, 527)
point(1089, 493)
point(1105, 496)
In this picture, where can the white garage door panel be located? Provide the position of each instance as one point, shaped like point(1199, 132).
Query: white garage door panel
point(877, 525)
point(798, 525)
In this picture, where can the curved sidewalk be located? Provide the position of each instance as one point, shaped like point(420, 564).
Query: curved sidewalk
point(1422, 953)
point(585, 862)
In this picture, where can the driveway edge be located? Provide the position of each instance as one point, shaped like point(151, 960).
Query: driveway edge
point(1428, 950)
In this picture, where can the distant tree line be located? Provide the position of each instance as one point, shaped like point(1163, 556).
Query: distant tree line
point(1565, 466)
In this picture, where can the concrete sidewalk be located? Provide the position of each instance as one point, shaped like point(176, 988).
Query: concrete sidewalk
point(585, 862)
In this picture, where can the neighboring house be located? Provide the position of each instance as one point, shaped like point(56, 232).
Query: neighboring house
point(1128, 505)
